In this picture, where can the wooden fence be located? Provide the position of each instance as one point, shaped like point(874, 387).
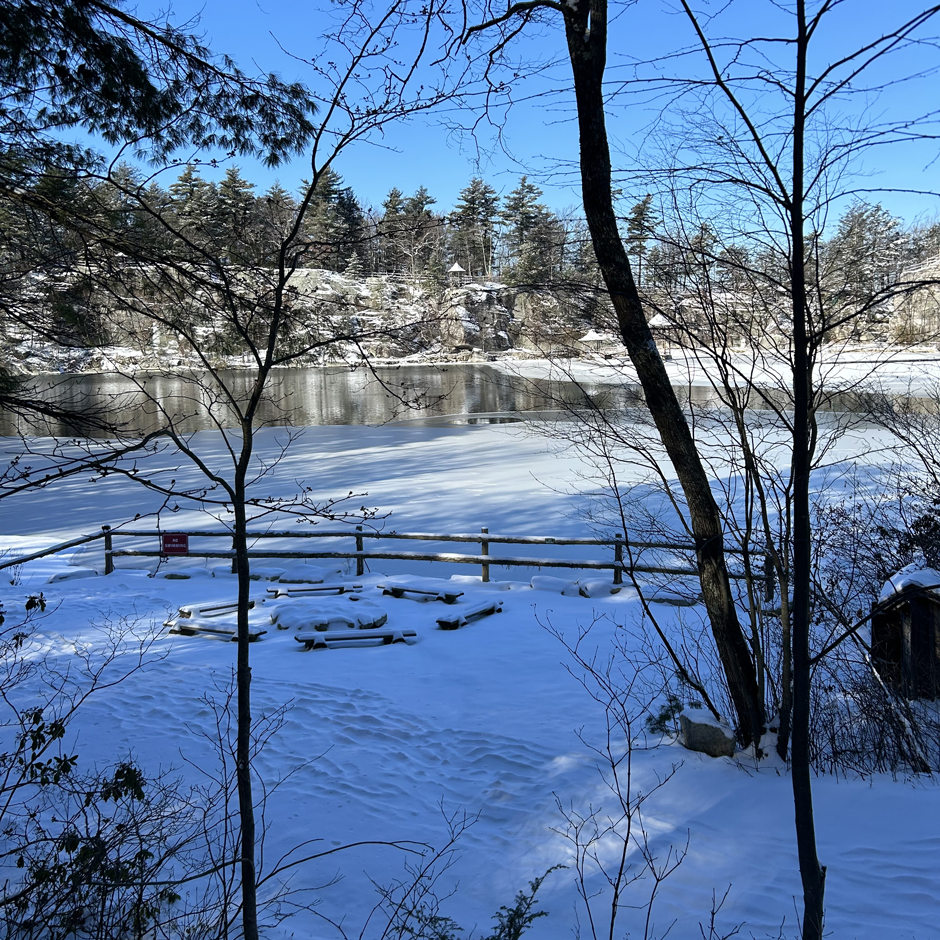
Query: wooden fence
point(621, 557)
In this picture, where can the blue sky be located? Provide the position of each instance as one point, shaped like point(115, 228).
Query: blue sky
point(421, 152)
point(541, 134)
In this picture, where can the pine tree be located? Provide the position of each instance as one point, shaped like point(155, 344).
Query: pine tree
point(534, 239)
point(423, 232)
point(70, 63)
point(233, 217)
point(473, 223)
point(390, 232)
point(865, 254)
point(335, 224)
point(521, 214)
point(351, 250)
point(274, 212)
point(120, 211)
point(641, 224)
point(194, 204)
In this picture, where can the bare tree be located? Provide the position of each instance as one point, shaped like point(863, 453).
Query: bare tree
point(761, 138)
point(243, 303)
point(585, 26)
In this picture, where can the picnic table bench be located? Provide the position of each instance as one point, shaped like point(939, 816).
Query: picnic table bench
point(402, 588)
point(191, 621)
point(187, 611)
point(322, 590)
point(314, 640)
point(463, 616)
point(218, 632)
point(326, 613)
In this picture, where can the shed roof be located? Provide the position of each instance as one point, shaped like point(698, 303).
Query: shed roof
point(908, 579)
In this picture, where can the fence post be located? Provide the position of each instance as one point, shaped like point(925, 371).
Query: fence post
point(485, 550)
point(768, 578)
point(618, 557)
point(360, 561)
point(108, 560)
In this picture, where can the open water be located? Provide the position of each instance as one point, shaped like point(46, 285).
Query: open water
point(296, 397)
point(120, 405)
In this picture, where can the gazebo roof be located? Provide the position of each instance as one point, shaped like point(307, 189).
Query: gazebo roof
point(592, 336)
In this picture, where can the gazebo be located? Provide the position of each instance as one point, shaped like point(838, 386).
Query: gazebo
point(661, 327)
point(596, 341)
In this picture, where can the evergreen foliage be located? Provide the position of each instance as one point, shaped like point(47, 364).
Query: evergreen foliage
point(96, 65)
point(334, 224)
point(641, 225)
point(534, 238)
point(473, 228)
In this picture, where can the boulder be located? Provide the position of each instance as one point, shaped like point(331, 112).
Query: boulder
point(597, 587)
point(700, 731)
point(545, 582)
point(263, 573)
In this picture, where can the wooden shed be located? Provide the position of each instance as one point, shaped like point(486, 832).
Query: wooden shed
point(905, 640)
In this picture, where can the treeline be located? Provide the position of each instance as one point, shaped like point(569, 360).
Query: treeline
point(868, 250)
point(515, 238)
point(864, 274)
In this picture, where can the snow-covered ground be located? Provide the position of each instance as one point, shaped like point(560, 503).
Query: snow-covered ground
point(905, 370)
point(486, 719)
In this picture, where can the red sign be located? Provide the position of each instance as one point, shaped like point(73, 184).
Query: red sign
point(175, 543)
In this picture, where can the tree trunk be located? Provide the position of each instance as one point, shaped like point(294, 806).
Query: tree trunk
point(813, 875)
point(246, 809)
point(586, 31)
point(786, 673)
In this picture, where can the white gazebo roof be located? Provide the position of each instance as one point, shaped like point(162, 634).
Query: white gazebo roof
point(592, 336)
point(456, 269)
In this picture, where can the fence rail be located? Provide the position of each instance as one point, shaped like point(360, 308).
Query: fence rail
point(620, 561)
point(54, 549)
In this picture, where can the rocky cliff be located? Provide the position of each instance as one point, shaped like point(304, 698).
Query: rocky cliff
point(389, 317)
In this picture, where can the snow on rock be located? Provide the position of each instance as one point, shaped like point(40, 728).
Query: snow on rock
point(265, 573)
point(545, 582)
point(72, 574)
point(585, 587)
point(183, 574)
point(480, 584)
point(701, 731)
point(596, 587)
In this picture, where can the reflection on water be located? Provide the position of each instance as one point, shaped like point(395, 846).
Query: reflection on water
point(295, 397)
point(326, 395)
